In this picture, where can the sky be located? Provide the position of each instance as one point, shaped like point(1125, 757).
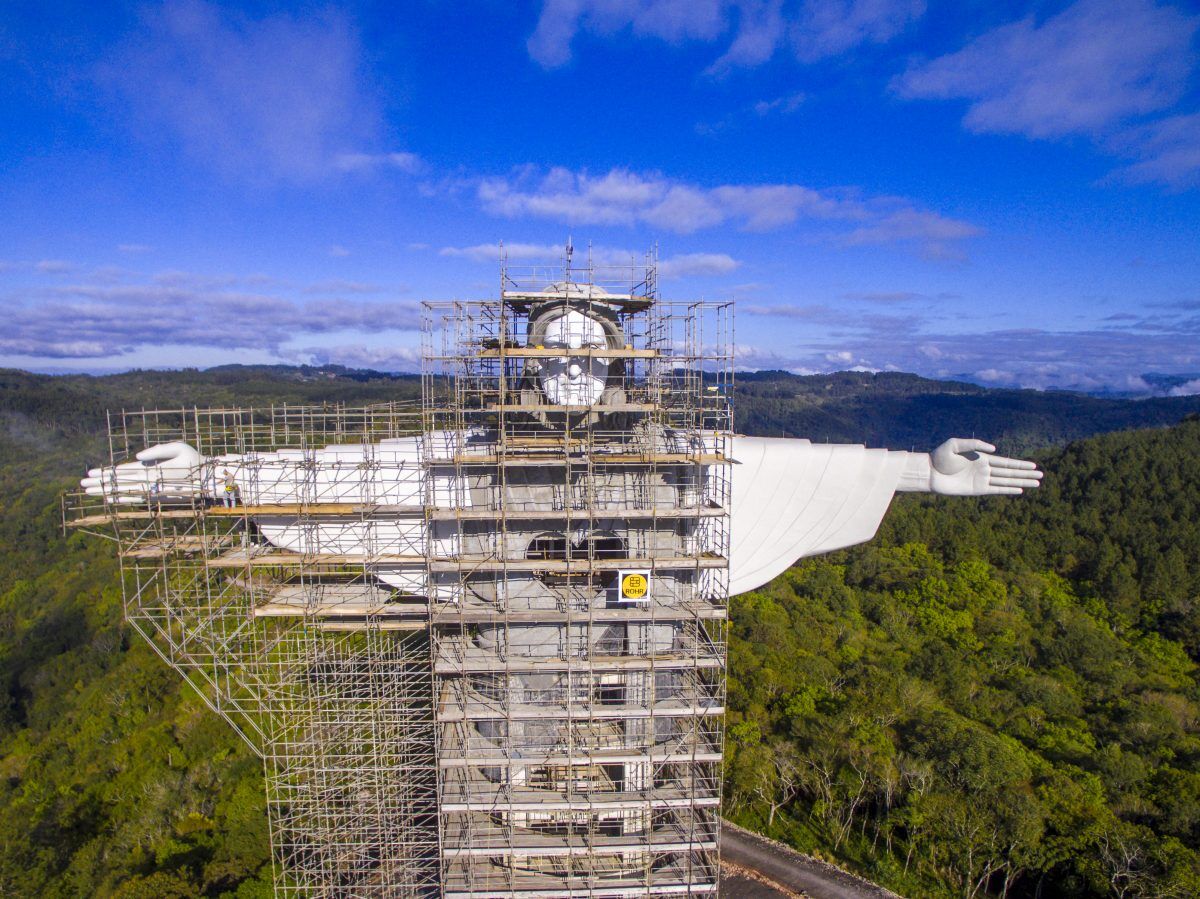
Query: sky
point(1003, 192)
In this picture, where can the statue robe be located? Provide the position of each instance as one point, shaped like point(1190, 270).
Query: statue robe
point(790, 499)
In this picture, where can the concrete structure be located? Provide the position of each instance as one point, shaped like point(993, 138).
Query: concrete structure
point(480, 641)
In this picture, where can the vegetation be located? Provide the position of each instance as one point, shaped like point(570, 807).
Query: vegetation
point(992, 695)
point(902, 411)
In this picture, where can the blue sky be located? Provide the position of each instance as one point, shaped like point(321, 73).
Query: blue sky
point(1007, 192)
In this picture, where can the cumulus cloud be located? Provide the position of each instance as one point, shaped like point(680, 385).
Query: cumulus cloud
point(281, 96)
point(824, 337)
point(623, 197)
point(1188, 388)
point(679, 266)
point(91, 320)
point(337, 286)
point(696, 264)
point(1163, 152)
point(492, 252)
point(1106, 69)
point(409, 163)
point(753, 29)
point(785, 105)
point(825, 29)
point(390, 359)
point(1095, 64)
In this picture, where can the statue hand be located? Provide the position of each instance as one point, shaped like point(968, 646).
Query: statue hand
point(168, 471)
point(965, 467)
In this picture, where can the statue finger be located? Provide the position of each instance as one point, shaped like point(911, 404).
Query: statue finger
point(1006, 462)
point(160, 453)
point(1004, 491)
point(1011, 482)
point(971, 445)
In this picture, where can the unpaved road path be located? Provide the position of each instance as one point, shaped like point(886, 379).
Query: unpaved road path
point(793, 873)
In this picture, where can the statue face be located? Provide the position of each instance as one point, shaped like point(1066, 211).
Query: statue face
point(573, 380)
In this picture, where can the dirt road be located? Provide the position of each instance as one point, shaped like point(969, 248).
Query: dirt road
point(797, 874)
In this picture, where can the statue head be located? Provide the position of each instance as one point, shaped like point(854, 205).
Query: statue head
point(574, 378)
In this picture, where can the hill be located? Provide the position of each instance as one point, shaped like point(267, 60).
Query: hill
point(887, 409)
point(993, 697)
point(901, 411)
point(989, 692)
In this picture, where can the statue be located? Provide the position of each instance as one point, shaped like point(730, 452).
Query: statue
point(578, 724)
point(790, 498)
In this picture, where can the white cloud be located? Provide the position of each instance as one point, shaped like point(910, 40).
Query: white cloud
point(785, 105)
point(756, 29)
point(410, 163)
point(275, 97)
point(696, 264)
point(491, 252)
point(832, 27)
point(937, 235)
point(1082, 71)
point(337, 251)
point(996, 376)
point(622, 197)
point(134, 249)
point(54, 267)
point(338, 286)
point(390, 359)
point(93, 320)
point(1188, 388)
point(679, 266)
point(1165, 152)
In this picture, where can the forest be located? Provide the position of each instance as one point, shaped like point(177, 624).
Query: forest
point(994, 697)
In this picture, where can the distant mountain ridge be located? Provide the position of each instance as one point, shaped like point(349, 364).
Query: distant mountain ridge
point(891, 409)
point(902, 410)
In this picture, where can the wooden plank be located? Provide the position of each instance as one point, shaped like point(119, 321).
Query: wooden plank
point(315, 510)
point(127, 514)
point(576, 410)
point(188, 543)
point(559, 353)
point(451, 614)
point(469, 514)
point(340, 610)
point(308, 510)
point(373, 625)
point(241, 559)
point(576, 566)
point(530, 459)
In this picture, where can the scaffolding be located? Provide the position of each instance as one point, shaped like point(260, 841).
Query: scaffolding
point(479, 641)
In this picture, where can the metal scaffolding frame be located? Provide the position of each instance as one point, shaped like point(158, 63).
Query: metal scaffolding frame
point(416, 616)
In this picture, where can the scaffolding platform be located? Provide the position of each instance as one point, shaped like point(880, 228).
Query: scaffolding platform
point(478, 639)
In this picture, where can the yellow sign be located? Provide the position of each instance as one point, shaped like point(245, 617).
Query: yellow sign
point(634, 585)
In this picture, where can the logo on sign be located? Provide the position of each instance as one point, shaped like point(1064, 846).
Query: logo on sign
point(634, 585)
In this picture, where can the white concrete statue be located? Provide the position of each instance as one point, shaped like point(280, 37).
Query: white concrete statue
point(789, 498)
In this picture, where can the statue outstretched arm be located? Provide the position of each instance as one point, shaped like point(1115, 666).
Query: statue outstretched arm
point(966, 467)
point(792, 498)
point(166, 471)
point(388, 472)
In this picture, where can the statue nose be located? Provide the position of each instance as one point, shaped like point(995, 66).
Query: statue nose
point(574, 370)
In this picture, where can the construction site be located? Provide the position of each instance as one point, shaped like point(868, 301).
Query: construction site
point(478, 640)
